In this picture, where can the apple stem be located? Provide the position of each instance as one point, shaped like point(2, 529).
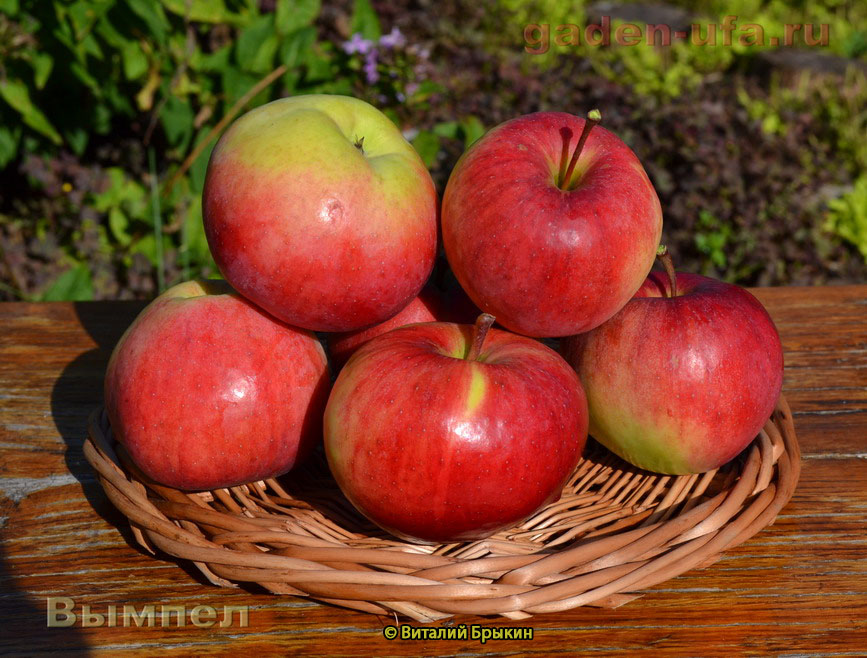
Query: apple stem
point(665, 258)
point(593, 117)
point(480, 332)
point(564, 156)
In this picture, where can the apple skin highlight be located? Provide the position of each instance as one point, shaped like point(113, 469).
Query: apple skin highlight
point(680, 385)
point(205, 391)
point(546, 261)
point(437, 448)
point(319, 211)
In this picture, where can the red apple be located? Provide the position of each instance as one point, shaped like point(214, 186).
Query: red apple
point(431, 305)
point(319, 211)
point(442, 432)
point(206, 391)
point(680, 384)
point(552, 244)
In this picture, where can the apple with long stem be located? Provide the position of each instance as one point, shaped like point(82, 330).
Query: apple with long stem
point(443, 432)
point(684, 376)
point(551, 240)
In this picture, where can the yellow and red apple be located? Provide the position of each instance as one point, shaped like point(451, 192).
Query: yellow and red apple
point(682, 379)
point(318, 210)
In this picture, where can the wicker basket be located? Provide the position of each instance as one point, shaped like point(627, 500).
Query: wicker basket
point(616, 530)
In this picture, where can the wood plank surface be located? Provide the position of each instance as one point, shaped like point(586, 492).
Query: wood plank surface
point(797, 588)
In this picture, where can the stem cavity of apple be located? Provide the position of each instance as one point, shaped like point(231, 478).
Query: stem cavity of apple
point(665, 258)
point(480, 332)
point(565, 177)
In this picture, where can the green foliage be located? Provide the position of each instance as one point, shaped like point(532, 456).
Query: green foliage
point(847, 215)
point(365, 21)
point(428, 142)
point(712, 238)
point(841, 111)
point(73, 285)
point(78, 77)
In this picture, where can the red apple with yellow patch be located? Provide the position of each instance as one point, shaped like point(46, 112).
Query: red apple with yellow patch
point(319, 211)
point(683, 378)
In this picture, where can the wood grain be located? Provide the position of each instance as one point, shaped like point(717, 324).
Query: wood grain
point(799, 587)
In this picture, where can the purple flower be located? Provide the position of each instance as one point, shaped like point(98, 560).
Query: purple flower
point(370, 69)
point(357, 44)
point(393, 39)
point(411, 88)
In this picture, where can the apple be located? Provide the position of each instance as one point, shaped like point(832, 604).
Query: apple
point(319, 211)
point(204, 390)
point(552, 244)
point(682, 378)
point(431, 305)
point(441, 432)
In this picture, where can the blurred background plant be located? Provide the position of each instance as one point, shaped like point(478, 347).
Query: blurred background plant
point(109, 110)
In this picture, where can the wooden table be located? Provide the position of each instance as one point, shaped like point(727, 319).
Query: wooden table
point(798, 587)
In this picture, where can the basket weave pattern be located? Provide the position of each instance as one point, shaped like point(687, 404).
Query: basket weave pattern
point(615, 530)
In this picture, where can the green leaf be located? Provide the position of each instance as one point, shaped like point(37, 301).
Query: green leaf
point(77, 139)
point(110, 34)
point(82, 74)
point(82, 16)
point(122, 190)
point(8, 144)
point(177, 119)
point(236, 83)
point(147, 246)
point(101, 119)
point(153, 16)
point(318, 64)
point(194, 234)
point(90, 46)
point(42, 64)
point(200, 166)
point(472, 129)
point(447, 129)
point(16, 94)
point(118, 223)
point(74, 285)
point(257, 45)
point(393, 117)
point(365, 20)
point(135, 62)
point(294, 47)
point(9, 7)
point(202, 11)
point(425, 90)
point(214, 62)
point(290, 15)
point(428, 146)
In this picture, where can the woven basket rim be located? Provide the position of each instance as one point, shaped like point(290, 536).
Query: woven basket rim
point(616, 531)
